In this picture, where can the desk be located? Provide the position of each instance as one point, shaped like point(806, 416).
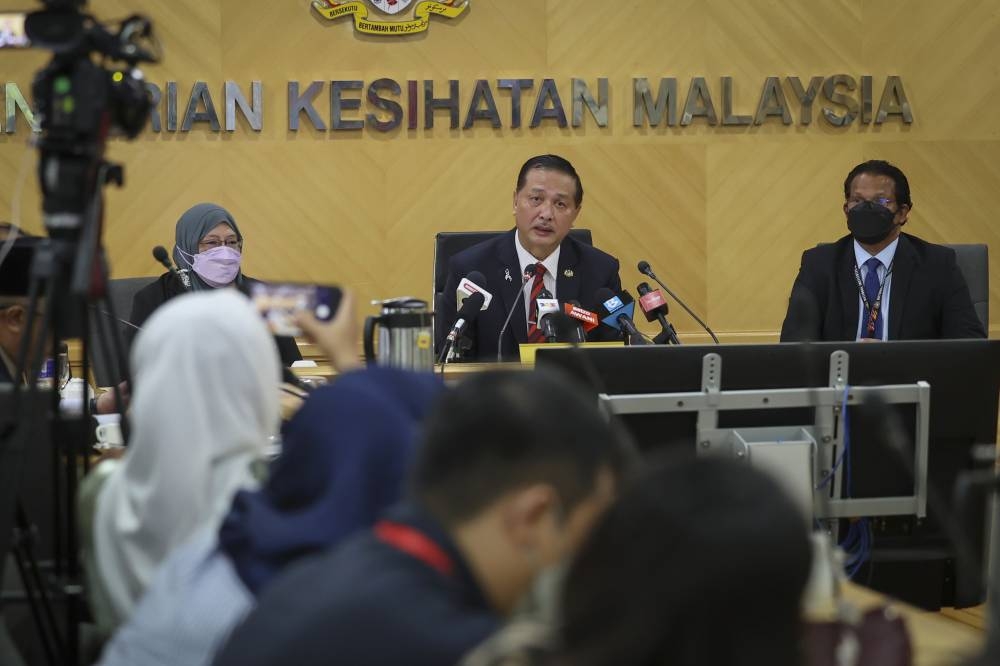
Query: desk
point(452, 372)
point(937, 639)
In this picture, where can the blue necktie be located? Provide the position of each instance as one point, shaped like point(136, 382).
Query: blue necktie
point(872, 285)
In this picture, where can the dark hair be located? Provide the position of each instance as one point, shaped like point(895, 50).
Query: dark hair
point(554, 163)
point(700, 563)
point(882, 168)
point(501, 430)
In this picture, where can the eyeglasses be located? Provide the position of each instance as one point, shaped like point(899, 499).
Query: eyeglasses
point(212, 243)
point(881, 201)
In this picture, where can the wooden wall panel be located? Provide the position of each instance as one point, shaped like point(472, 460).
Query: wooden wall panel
point(723, 213)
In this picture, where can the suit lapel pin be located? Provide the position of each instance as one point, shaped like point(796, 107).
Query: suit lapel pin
point(506, 275)
point(568, 272)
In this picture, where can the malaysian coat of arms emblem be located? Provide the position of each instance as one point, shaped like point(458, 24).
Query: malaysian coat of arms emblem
point(390, 17)
point(391, 6)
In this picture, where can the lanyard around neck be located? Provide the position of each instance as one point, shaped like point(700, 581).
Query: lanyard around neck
point(416, 544)
point(871, 308)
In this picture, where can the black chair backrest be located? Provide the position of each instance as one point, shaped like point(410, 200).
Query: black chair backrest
point(973, 260)
point(448, 243)
point(120, 292)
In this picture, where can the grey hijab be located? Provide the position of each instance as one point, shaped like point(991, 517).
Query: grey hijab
point(191, 228)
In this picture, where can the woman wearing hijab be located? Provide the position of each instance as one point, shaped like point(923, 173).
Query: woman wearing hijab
point(345, 457)
point(205, 403)
point(208, 250)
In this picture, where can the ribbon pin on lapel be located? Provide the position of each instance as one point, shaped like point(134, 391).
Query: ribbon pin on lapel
point(506, 275)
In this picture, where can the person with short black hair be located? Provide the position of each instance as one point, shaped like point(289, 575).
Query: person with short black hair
point(548, 195)
point(699, 563)
point(878, 283)
point(513, 470)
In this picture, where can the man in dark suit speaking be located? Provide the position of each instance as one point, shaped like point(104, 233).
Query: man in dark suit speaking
point(878, 283)
point(547, 201)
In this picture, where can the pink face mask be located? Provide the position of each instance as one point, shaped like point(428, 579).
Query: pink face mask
point(218, 267)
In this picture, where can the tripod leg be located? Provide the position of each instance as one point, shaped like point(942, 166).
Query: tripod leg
point(35, 590)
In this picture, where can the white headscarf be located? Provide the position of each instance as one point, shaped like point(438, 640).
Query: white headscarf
point(205, 402)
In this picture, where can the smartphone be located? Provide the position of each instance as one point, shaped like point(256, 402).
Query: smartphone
point(12, 34)
point(279, 301)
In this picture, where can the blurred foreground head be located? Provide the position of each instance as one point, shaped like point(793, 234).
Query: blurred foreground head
point(517, 465)
point(701, 563)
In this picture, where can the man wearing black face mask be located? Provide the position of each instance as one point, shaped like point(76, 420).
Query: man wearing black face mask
point(878, 283)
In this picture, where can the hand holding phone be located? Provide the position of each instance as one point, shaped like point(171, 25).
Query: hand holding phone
point(338, 339)
point(279, 302)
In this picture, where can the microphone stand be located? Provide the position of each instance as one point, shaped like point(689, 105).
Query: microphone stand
point(503, 329)
point(649, 273)
point(668, 336)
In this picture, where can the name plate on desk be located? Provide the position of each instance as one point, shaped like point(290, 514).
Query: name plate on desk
point(528, 349)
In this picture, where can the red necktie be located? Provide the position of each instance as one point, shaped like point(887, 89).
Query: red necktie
point(534, 333)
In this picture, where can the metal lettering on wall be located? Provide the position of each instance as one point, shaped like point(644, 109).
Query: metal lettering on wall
point(387, 105)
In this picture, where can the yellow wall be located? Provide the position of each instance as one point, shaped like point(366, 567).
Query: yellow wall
point(722, 213)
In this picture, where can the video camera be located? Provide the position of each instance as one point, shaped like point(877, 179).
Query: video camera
point(80, 103)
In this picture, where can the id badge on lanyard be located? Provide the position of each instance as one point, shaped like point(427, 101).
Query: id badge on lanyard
point(871, 308)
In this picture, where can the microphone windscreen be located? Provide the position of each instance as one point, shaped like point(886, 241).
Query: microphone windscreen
point(471, 305)
point(478, 278)
point(652, 301)
point(160, 254)
point(587, 318)
point(603, 294)
point(644, 267)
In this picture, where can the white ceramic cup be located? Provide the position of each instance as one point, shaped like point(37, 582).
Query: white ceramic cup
point(110, 433)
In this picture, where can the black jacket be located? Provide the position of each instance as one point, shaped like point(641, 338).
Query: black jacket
point(367, 603)
point(152, 296)
point(929, 298)
point(582, 271)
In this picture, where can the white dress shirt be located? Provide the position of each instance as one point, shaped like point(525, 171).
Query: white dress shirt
point(526, 259)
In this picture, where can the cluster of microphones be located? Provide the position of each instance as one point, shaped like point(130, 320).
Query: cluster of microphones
point(568, 321)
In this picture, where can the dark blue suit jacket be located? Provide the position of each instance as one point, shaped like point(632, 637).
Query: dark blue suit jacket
point(929, 301)
point(366, 603)
point(582, 271)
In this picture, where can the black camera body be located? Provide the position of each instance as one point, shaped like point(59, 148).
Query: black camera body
point(80, 103)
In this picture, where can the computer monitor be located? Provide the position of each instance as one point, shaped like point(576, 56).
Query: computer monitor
point(911, 559)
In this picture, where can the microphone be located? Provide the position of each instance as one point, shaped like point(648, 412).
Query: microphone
point(471, 307)
point(654, 306)
point(547, 308)
point(616, 312)
point(582, 321)
point(160, 254)
point(472, 298)
point(645, 269)
point(528, 275)
point(470, 285)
